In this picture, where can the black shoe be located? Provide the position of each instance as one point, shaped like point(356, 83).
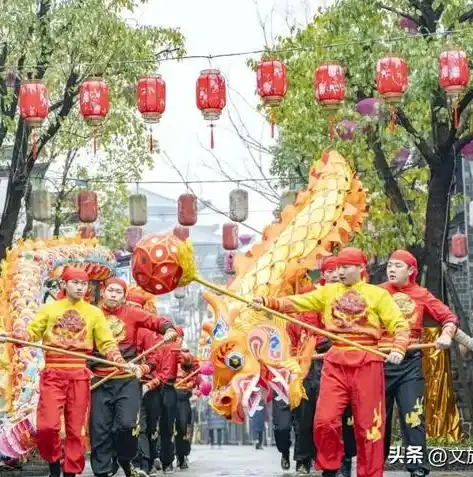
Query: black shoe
point(259, 446)
point(303, 467)
point(329, 473)
point(55, 469)
point(285, 464)
point(168, 469)
point(345, 469)
point(67, 474)
point(157, 465)
point(183, 464)
point(128, 468)
point(418, 473)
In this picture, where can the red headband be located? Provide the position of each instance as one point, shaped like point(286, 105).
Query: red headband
point(329, 263)
point(116, 281)
point(409, 260)
point(74, 273)
point(136, 297)
point(352, 256)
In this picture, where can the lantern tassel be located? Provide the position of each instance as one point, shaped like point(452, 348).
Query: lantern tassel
point(273, 122)
point(212, 140)
point(150, 139)
point(456, 118)
point(35, 144)
point(94, 140)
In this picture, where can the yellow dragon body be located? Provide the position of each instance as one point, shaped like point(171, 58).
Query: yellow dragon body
point(249, 350)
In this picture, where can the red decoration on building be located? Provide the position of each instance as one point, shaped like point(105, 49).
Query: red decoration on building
point(88, 209)
point(230, 236)
point(329, 88)
point(133, 235)
point(181, 232)
point(392, 80)
point(459, 245)
point(34, 106)
point(187, 209)
point(155, 263)
point(271, 83)
point(151, 99)
point(211, 97)
point(454, 76)
point(94, 103)
point(87, 231)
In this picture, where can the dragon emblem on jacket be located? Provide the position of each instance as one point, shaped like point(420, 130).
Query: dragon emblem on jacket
point(250, 350)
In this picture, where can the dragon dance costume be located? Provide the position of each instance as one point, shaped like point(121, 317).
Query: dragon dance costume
point(114, 417)
point(405, 382)
point(357, 312)
point(65, 381)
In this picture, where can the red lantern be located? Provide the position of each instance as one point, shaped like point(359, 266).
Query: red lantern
point(228, 263)
point(151, 98)
point(271, 82)
point(34, 106)
point(88, 209)
point(182, 233)
point(187, 209)
point(459, 245)
point(94, 103)
point(133, 235)
point(87, 231)
point(392, 80)
point(230, 236)
point(329, 88)
point(454, 76)
point(155, 263)
point(211, 97)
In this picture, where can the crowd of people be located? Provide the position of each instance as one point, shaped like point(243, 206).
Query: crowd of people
point(136, 399)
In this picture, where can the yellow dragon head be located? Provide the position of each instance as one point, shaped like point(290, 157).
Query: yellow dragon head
point(250, 351)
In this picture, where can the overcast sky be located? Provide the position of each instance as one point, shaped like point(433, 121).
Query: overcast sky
point(213, 27)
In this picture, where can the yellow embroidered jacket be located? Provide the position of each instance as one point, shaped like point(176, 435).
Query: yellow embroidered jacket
point(74, 327)
point(358, 313)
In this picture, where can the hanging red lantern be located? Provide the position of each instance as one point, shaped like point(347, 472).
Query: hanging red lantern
point(271, 83)
point(88, 209)
point(392, 80)
point(329, 89)
point(34, 106)
point(230, 236)
point(151, 99)
point(187, 209)
point(228, 265)
point(133, 235)
point(454, 76)
point(211, 97)
point(94, 103)
point(459, 245)
point(87, 231)
point(181, 232)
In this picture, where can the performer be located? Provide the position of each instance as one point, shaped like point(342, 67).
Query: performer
point(405, 383)
point(64, 390)
point(189, 365)
point(114, 416)
point(304, 343)
point(357, 311)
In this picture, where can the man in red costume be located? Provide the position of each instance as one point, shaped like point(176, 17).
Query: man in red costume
point(64, 390)
point(304, 342)
point(189, 366)
point(357, 311)
point(405, 383)
point(114, 417)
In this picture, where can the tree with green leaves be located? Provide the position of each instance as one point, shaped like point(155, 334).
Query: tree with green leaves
point(409, 203)
point(62, 44)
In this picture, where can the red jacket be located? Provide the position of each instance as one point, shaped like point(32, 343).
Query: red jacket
point(125, 321)
point(165, 362)
point(415, 302)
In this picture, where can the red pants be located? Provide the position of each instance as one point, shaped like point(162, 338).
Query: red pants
point(63, 391)
point(363, 388)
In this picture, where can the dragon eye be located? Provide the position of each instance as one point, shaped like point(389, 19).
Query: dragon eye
point(234, 361)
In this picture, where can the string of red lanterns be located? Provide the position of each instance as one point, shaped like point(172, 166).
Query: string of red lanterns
point(272, 86)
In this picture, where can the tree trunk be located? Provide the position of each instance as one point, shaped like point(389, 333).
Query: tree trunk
point(437, 219)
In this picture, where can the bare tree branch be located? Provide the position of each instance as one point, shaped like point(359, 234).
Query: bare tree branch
point(398, 12)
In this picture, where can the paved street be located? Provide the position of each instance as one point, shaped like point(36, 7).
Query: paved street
point(235, 461)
